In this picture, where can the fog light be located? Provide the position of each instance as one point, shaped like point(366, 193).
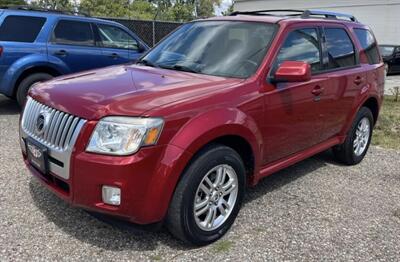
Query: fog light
point(111, 195)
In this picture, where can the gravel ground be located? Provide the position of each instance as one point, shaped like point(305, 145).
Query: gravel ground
point(315, 210)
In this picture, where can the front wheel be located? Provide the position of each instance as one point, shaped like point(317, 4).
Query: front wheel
point(356, 145)
point(208, 197)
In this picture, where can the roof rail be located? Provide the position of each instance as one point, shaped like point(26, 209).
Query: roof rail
point(328, 14)
point(39, 9)
point(268, 12)
point(300, 13)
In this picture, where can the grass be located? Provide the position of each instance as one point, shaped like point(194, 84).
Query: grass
point(222, 246)
point(156, 258)
point(387, 131)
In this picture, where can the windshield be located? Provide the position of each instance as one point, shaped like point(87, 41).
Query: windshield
point(220, 48)
point(386, 50)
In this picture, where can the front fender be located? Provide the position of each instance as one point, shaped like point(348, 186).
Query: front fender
point(194, 135)
point(217, 123)
point(26, 63)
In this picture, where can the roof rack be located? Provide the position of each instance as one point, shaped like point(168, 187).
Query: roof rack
point(39, 9)
point(300, 13)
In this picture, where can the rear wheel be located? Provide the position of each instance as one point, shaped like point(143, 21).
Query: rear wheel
point(27, 83)
point(356, 145)
point(208, 197)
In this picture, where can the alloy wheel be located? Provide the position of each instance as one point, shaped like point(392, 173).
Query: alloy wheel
point(215, 197)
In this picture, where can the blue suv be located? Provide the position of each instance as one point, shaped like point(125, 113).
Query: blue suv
point(36, 45)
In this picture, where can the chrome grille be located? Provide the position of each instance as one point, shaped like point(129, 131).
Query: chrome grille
point(59, 127)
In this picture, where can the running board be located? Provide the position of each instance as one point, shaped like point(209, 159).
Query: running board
point(293, 159)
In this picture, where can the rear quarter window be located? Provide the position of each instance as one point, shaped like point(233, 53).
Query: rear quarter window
point(21, 28)
point(340, 48)
point(369, 45)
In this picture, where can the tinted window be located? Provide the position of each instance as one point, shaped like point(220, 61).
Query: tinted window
point(301, 45)
point(115, 37)
point(369, 45)
point(340, 48)
point(73, 33)
point(21, 28)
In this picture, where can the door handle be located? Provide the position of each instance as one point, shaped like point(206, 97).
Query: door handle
point(358, 80)
point(61, 53)
point(114, 55)
point(317, 91)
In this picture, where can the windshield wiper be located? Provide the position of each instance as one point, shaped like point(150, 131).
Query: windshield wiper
point(180, 68)
point(147, 63)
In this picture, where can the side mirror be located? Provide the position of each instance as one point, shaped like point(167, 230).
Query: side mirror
point(141, 48)
point(138, 47)
point(293, 71)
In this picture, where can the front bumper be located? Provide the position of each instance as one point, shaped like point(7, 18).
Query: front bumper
point(147, 181)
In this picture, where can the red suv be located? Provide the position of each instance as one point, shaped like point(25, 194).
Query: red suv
point(212, 109)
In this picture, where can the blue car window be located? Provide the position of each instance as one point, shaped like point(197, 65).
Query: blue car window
point(114, 37)
point(70, 32)
point(21, 28)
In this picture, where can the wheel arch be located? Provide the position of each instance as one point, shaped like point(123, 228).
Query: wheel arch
point(32, 70)
point(29, 63)
point(372, 104)
point(231, 128)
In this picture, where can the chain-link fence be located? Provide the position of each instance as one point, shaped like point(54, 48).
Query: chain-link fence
point(150, 31)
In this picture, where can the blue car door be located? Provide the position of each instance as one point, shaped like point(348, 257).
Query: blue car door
point(118, 45)
point(73, 42)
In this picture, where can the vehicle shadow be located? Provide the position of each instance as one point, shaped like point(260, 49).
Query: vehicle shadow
point(8, 106)
point(113, 236)
point(289, 175)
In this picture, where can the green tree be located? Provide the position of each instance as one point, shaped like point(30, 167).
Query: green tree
point(206, 7)
point(178, 12)
point(55, 4)
point(12, 2)
point(138, 9)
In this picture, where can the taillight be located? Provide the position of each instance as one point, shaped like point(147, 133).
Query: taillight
point(1, 50)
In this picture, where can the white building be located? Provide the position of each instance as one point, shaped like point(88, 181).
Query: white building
point(383, 16)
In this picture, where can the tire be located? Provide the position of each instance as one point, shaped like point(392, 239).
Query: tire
point(348, 153)
point(27, 83)
point(181, 220)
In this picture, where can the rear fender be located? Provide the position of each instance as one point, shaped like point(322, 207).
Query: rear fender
point(28, 62)
point(357, 106)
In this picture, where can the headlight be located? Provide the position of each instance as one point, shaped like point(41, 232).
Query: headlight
point(124, 135)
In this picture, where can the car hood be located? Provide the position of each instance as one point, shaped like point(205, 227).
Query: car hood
point(123, 90)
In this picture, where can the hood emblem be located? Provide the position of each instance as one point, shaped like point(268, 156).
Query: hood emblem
point(41, 122)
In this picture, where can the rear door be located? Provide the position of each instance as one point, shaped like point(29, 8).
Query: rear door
point(292, 121)
point(346, 78)
point(74, 43)
point(117, 44)
point(373, 62)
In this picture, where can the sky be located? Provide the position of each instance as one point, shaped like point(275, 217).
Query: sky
point(225, 4)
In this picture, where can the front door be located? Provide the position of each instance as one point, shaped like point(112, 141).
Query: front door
point(118, 45)
point(292, 121)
